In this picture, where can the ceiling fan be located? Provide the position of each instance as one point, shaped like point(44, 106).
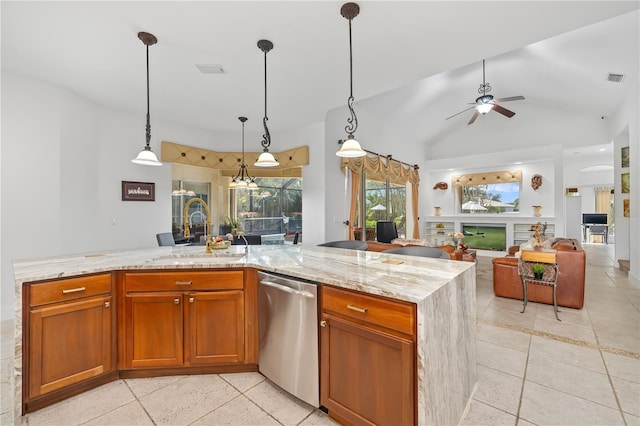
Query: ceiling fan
point(485, 103)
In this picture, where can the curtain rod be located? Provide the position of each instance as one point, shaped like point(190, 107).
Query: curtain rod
point(388, 157)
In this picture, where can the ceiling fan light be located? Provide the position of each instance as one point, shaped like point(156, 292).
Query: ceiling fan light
point(147, 157)
point(484, 108)
point(351, 148)
point(266, 159)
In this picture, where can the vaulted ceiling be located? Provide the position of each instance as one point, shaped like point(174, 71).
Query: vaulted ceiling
point(415, 62)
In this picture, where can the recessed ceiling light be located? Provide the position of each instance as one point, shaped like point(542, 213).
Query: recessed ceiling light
point(518, 162)
point(602, 149)
point(211, 69)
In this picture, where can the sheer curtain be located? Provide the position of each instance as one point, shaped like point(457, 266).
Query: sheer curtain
point(603, 200)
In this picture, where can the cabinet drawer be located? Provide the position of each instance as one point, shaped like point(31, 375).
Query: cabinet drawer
point(69, 289)
point(172, 281)
point(396, 315)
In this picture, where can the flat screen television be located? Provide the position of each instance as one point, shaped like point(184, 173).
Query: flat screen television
point(594, 218)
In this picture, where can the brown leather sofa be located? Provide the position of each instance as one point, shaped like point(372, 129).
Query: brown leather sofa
point(571, 260)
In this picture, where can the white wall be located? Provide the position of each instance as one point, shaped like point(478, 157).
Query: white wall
point(63, 161)
point(624, 130)
point(374, 135)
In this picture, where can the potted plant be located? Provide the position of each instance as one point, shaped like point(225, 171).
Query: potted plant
point(538, 270)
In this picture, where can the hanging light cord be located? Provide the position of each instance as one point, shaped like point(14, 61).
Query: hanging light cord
point(266, 137)
point(353, 120)
point(148, 118)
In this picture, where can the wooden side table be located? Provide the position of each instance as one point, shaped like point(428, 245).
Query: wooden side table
point(548, 277)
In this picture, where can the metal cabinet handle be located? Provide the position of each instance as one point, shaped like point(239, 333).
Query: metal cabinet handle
point(107, 304)
point(192, 299)
point(74, 290)
point(176, 301)
point(184, 282)
point(357, 308)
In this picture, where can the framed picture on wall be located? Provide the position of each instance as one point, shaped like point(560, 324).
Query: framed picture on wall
point(624, 156)
point(625, 208)
point(138, 191)
point(624, 183)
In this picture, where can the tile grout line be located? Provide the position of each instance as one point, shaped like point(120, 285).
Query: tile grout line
point(524, 379)
point(615, 351)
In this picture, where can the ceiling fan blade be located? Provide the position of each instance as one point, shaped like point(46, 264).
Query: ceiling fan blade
point(473, 118)
point(512, 98)
point(465, 110)
point(503, 111)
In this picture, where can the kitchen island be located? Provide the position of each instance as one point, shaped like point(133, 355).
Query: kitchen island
point(443, 292)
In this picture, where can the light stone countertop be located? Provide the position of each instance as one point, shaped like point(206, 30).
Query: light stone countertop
point(443, 291)
point(413, 280)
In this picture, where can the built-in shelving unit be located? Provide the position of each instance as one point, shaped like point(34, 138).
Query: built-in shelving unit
point(522, 232)
point(518, 227)
point(437, 233)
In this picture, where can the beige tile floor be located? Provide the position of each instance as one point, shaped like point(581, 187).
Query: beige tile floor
point(532, 370)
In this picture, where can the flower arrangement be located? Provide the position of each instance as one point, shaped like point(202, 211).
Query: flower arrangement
point(457, 238)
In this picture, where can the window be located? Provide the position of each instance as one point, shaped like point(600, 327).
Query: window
point(385, 201)
point(274, 208)
point(196, 216)
point(490, 192)
point(490, 198)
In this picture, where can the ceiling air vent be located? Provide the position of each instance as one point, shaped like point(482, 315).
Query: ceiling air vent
point(210, 69)
point(615, 78)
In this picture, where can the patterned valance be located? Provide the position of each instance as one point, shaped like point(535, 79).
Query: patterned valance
point(379, 168)
point(290, 161)
point(487, 178)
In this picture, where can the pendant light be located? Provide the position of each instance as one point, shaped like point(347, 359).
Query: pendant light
point(266, 159)
point(243, 179)
point(146, 156)
point(350, 147)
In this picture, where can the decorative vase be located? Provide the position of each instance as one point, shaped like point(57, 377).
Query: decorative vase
point(537, 211)
point(436, 211)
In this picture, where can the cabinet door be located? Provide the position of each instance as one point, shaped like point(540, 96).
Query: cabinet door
point(153, 329)
point(214, 331)
point(366, 374)
point(68, 343)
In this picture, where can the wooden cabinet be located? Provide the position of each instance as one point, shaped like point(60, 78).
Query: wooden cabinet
point(175, 319)
point(69, 335)
point(368, 358)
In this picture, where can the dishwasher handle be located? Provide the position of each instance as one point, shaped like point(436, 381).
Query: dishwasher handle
point(287, 289)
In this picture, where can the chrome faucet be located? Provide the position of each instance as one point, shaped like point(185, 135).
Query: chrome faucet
point(246, 243)
point(207, 229)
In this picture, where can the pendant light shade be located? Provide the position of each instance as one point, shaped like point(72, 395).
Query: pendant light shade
point(243, 179)
point(146, 156)
point(350, 147)
point(265, 159)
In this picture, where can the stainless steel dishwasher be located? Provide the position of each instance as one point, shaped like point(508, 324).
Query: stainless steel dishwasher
point(287, 321)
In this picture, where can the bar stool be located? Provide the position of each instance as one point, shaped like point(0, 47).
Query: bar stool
point(527, 265)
